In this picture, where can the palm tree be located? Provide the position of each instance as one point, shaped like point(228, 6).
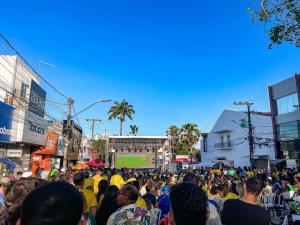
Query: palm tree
point(173, 131)
point(121, 111)
point(190, 135)
point(134, 129)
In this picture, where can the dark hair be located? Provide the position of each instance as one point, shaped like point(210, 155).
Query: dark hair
point(191, 178)
point(131, 192)
point(108, 205)
point(148, 188)
point(57, 203)
point(78, 179)
point(15, 194)
point(102, 187)
point(19, 173)
point(86, 174)
point(135, 183)
point(254, 186)
point(189, 204)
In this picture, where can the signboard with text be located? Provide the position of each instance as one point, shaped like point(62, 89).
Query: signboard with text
point(37, 99)
point(35, 128)
point(7, 134)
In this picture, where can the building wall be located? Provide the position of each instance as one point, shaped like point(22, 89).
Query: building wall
point(239, 151)
point(16, 78)
point(277, 91)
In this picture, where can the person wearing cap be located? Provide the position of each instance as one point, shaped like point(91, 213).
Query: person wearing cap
point(163, 201)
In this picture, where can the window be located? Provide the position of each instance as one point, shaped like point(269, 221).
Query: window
point(228, 138)
point(287, 104)
point(23, 90)
point(222, 139)
point(289, 131)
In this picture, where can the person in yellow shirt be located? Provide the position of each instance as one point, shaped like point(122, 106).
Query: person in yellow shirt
point(97, 178)
point(140, 202)
point(225, 192)
point(117, 179)
point(89, 195)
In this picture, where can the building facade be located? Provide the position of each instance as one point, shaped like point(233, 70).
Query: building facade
point(23, 103)
point(228, 140)
point(284, 101)
point(139, 151)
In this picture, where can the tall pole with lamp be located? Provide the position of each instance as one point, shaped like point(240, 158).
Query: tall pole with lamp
point(70, 127)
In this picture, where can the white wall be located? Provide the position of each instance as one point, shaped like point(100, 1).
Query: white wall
point(13, 72)
point(240, 149)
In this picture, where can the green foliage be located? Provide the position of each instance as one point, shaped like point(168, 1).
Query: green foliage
point(184, 138)
point(182, 149)
point(173, 131)
point(134, 129)
point(100, 146)
point(281, 19)
point(121, 111)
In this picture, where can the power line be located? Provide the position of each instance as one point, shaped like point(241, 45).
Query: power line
point(16, 51)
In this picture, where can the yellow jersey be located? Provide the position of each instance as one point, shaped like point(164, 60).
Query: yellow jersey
point(97, 179)
point(230, 195)
point(90, 199)
point(141, 203)
point(117, 180)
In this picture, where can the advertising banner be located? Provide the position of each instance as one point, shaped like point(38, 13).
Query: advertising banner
point(14, 153)
point(7, 134)
point(50, 145)
point(37, 99)
point(35, 128)
point(60, 146)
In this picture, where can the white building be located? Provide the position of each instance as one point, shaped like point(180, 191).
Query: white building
point(21, 93)
point(228, 140)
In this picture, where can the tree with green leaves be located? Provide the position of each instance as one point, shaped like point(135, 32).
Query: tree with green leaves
point(190, 135)
point(173, 131)
point(121, 111)
point(133, 130)
point(281, 19)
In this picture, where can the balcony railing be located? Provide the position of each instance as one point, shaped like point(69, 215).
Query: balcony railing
point(223, 145)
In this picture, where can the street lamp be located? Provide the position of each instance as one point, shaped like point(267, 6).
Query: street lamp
point(69, 123)
point(99, 101)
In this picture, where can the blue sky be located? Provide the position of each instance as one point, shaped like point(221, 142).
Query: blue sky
point(175, 61)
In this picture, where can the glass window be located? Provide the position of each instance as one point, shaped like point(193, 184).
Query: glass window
point(289, 131)
point(23, 90)
point(287, 104)
point(228, 138)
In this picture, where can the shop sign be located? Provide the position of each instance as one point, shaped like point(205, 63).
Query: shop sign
point(51, 143)
point(7, 134)
point(37, 99)
point(36, 158)
point(60, 146)
point(35, 128)
point(15, 153)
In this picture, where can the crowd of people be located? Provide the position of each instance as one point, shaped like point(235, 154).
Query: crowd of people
point(211, 196)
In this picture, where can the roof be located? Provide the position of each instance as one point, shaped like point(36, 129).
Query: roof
point(138, 137)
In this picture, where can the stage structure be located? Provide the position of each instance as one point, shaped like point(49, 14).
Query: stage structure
point(138, 151)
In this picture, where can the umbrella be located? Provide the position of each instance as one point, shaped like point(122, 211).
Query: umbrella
point(8, 163)
point(96, 163)
point(80, 166)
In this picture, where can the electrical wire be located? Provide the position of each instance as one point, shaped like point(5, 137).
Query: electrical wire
point(16, 51)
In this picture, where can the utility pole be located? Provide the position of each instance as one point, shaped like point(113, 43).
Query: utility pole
point(93, 125)
point(250, 130)
point(106, 149)
point(69, 132)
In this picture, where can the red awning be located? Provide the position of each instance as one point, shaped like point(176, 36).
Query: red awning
point(96, 163)
point(179, 160)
